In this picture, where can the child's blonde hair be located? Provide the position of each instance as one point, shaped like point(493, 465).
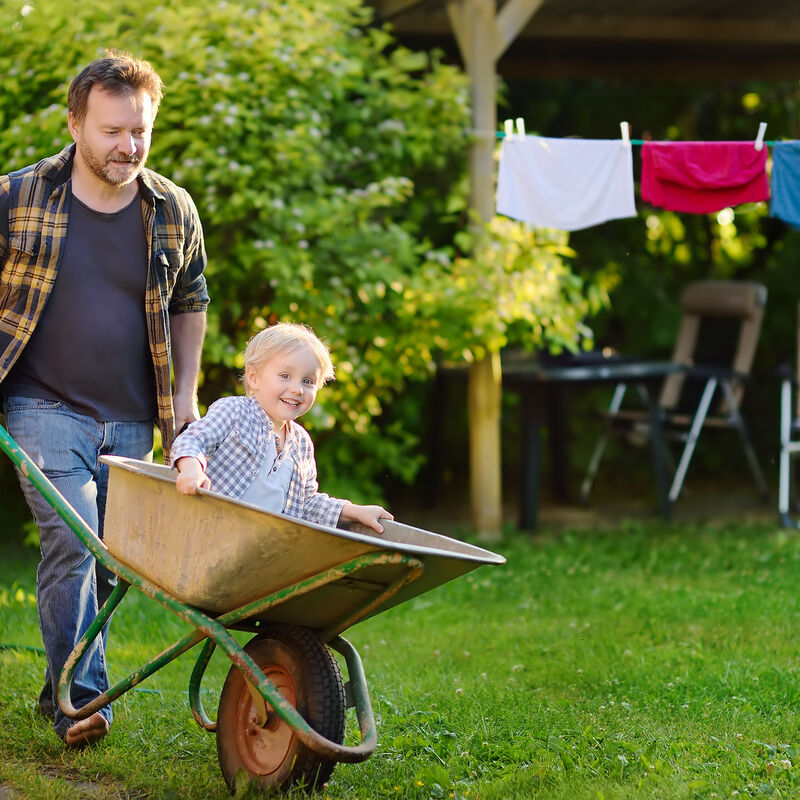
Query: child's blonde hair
point(286, 337)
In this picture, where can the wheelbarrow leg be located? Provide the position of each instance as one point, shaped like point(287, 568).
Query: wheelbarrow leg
point(81, 648)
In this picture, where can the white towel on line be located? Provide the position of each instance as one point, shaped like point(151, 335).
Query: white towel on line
point(567, 184)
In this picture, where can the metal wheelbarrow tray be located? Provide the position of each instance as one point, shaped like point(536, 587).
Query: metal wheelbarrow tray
point(225, 565)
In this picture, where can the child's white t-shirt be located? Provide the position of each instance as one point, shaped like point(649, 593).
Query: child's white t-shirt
point(270, 488)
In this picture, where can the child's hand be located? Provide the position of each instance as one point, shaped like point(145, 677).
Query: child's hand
point(366, 515)
point(191, 476)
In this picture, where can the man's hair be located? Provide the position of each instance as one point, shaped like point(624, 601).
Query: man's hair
point(115, 73)
point(286, 337)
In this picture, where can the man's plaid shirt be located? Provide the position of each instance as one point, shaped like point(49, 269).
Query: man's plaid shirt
point(34, 216)
point(230, 441)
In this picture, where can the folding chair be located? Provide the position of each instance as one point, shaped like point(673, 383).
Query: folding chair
point(716, 341)
point(790, 441)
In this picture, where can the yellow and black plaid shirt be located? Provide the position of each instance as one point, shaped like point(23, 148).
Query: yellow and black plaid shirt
point(34, 215)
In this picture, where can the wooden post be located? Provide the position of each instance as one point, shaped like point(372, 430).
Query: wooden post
point(482, 37)
point(484, 382)
point(484, 394)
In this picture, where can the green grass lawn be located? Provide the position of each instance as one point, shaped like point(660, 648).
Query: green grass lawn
point(650, 661)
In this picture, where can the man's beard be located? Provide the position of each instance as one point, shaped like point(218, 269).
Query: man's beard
point(109, 171)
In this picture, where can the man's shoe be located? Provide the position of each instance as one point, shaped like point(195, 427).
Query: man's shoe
point(45, 707)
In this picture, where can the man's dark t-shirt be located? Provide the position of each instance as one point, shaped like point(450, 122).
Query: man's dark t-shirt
point(90, 347)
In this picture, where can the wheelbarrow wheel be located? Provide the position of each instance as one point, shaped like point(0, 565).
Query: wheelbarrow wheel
point(306, 674)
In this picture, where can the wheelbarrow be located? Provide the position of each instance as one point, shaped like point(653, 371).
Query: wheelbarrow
point(223, 565)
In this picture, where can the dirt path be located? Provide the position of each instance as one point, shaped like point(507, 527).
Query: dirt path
point(82, 788)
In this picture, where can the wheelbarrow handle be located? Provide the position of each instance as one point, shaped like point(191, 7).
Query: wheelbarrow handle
point(62, 507)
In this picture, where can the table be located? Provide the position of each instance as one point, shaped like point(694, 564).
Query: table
point(534, 378)
point(530, 377)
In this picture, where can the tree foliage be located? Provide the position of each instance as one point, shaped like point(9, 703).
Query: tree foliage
point(327, 164)
point(508, 284)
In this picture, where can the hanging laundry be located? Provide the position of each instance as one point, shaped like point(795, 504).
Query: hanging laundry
point(567, 184)
point(785, 202)
point(703, 177)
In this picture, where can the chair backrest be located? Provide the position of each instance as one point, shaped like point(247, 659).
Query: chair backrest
point(720, 327)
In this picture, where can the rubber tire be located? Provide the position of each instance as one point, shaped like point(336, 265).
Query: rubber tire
point(300, 664)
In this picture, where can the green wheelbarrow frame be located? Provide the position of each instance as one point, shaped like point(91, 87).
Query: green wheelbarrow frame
point(407, 566)
point(214, 631)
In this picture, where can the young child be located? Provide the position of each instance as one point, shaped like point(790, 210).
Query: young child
point(250, 448)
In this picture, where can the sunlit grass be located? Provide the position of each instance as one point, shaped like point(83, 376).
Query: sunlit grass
point(650, 661)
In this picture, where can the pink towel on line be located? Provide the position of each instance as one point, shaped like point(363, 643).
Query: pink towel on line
point(703, 177)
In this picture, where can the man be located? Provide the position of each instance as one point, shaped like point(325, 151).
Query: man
point(102, 295)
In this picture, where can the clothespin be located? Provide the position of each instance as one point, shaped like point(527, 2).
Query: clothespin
point(762, 129)
point(625, 130)
point(508, 127)
point(520, 127)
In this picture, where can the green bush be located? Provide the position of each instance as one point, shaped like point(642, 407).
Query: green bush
point(509, 285)
point(327, 164)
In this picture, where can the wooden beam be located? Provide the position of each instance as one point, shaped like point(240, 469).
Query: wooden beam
point(386, 9)
point(511, 19)
point(481, 26)
point(544, 25)
point(707, 66)
point(459, 23)
point(678, 29)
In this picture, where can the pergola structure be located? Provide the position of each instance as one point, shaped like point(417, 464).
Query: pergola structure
point(693, 39)
point(579, 39)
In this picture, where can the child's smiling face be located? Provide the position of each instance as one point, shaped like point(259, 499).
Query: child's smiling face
point(286, 384)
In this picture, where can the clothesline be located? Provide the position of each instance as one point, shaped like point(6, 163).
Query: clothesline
point(503, 135)
point(573, 183)
point(625, 130)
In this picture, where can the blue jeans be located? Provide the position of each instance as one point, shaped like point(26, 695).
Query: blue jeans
point(69, 584)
